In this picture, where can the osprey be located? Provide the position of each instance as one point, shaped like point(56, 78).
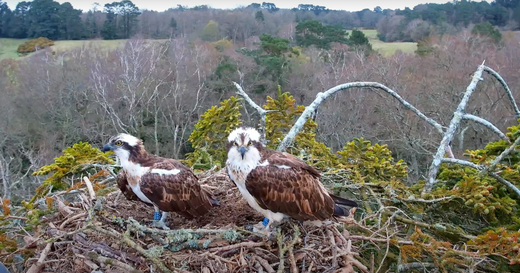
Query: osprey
point(165, 183)
point(278, 184)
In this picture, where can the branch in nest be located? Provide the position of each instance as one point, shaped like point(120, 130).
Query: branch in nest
point(38, 266)
point(265, 264)
point(437, 227)
point(125, 238)
point(410, 266)
point(239, 245)
point(93, 255)
point(282, 248)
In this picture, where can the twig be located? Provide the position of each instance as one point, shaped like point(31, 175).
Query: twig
point(134, 245)
point(334, 248)
point(282, 248)
point(265, 264)
point(133, 223)
point(38, 266)
point(243, 244)
point(501, 157)
point(77, 216)
point(105, 260)
point(214, 256)
point(504, 84)
point(90, 188)
point(505, 182)
point(260, 110)
point(322, 96)
point(410, 266)
point(450, 132)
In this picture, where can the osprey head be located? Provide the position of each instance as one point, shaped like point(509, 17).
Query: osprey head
point(244, 145)
point(122, 145)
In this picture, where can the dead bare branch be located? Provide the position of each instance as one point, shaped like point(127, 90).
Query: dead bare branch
point(450, 132)
point(506, 87)
point(322, 96)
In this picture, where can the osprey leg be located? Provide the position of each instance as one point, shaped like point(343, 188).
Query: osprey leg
point(159, 218)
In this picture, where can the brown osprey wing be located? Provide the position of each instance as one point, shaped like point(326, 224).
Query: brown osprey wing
point(180, 193)
point(122, 184)
point(291, 188)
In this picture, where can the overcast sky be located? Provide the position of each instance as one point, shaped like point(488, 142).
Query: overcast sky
point(160, 5)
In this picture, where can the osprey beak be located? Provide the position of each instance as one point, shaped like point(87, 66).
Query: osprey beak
point(107, 148)
point(242, 150)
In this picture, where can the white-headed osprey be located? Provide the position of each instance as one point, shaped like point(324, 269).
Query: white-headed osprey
point(278, 184)
point(165, 183)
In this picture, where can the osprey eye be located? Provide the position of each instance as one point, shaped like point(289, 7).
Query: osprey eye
point(235, 143)
point(119, 143)
point(249, 143)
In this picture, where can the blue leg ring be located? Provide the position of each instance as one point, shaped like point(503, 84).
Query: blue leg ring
point(157, 215)
point(265, 222)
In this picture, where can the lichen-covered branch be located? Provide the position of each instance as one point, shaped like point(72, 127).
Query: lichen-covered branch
point(506, 87)
point(322, 96)
point(135, 246)
point(501, 157)
point(484, 171)
point(486, 124)
point(260, 110)
point(462, 162)
point(452, 128)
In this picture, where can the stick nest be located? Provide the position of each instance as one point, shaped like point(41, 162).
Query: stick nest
point(111, 234)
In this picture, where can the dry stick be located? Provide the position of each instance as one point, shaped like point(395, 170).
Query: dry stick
point(334, 248)
point(450, 132)
point(90, 188)
point(265, 264)
point(486, 124)
point(282, 250)
point(133, 223)
point(38, 266)
point(135, 246)
point(504, 84)
point(243, 244)
point(410, 266)
point(105, 260)
point(77, 216)
point(322, 96)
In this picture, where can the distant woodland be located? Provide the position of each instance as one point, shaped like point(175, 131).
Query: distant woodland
point(122, 20)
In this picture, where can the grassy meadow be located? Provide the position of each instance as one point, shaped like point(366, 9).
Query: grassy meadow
point(387, 49)
point(8, 46)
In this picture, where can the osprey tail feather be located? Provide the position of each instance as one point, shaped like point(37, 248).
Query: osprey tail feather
point(340, 211)
point(342, 201)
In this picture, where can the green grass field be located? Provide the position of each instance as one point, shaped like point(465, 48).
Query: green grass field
point(8, 46)
point(387, 49)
